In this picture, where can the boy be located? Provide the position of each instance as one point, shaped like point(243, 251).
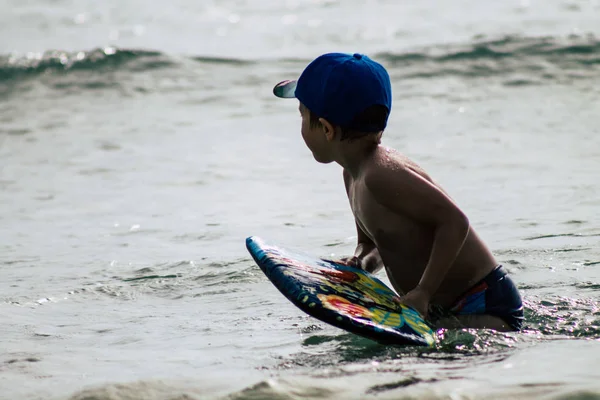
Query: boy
point(404, 220)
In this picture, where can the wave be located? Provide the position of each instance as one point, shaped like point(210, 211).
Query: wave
point(19, 66)
point(544, 57)
point(98, 60)
point(510, 47)
point(547, 58)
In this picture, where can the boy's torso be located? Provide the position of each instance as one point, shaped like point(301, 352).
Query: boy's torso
point(405, 244)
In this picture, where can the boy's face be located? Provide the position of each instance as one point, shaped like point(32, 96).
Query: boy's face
point(315, 138)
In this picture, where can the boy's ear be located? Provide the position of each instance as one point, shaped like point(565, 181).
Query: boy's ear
point(328, 129)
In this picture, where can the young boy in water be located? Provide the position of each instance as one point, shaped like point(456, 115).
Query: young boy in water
point(405, 222)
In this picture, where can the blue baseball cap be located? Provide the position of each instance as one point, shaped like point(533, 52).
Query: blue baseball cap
point(339, 86)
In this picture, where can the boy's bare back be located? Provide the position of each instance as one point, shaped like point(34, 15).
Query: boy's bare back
point(404, 234)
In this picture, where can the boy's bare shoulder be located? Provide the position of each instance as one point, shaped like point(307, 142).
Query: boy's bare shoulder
point(401, 185)
point(388, 162)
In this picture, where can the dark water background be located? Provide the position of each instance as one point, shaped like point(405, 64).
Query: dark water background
point(140, 145)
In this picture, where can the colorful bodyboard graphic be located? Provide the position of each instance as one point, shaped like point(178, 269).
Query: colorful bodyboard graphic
point(345, 297)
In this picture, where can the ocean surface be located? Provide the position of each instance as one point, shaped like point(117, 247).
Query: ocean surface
point(140, 145)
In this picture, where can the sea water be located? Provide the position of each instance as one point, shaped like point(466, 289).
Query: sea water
point(140, 145)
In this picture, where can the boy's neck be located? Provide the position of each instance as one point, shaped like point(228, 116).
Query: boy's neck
point(351, 154)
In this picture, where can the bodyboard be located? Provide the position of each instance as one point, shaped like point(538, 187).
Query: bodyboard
point(346, 297)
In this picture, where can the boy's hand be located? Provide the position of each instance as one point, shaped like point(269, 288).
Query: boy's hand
point(417, 299)
point(352, 261)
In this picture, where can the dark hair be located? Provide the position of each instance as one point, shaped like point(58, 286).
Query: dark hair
point(374, 116)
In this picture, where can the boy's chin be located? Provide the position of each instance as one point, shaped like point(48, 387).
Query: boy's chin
point(322, 160)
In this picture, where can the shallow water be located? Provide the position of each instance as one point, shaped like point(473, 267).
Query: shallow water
point(140, 146)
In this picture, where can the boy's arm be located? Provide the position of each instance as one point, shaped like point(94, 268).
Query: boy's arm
point(366, 256)
point(366, 253)
point(405, 192)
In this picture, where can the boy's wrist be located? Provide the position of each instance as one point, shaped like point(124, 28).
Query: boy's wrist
point(424, 289)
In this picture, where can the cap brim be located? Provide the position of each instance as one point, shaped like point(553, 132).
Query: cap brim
point(285, 89)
